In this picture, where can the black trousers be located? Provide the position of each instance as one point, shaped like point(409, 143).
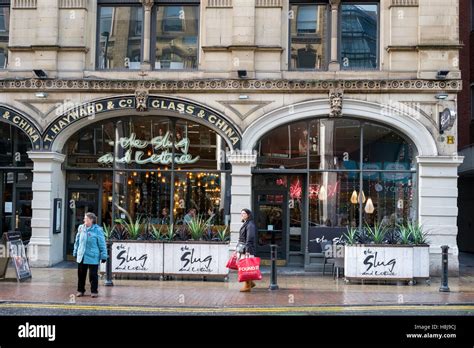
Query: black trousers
point(93, 277)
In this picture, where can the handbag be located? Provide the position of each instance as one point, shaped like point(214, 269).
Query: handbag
point(232, 262)
point(240, 248)
point(249, 269)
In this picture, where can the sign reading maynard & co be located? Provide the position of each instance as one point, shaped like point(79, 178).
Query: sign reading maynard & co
point(152, 103)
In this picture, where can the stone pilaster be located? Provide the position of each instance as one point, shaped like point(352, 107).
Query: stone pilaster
point(48, 184)
point(241, 191)
point(438, 208)
point(147, 5)
point(334, 64)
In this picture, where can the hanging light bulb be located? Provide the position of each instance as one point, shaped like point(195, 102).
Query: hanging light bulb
point(363, 197)
point(322, 193)
point(354, 197)
point(369, 207)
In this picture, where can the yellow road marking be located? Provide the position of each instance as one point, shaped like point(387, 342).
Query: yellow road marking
point(309, 309)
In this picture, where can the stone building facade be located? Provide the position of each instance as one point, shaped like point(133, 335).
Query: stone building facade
point(243, 69)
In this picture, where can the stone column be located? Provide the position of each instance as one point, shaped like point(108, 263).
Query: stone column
point(147, 6)
point(47, 36)
point(334, 64)
point(438, 209)
point(48, 184)
point(241, 190)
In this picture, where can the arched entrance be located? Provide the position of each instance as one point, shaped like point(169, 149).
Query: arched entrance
point(18, 135)
point(156, 165)
point(311, 170)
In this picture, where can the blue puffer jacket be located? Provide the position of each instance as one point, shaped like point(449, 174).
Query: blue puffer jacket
point(90, 245)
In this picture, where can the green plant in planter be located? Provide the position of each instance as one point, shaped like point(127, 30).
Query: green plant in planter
point(222, 233)
point(170, 233)
point(377, 233)
point(352, 235)
point(197, 227)
point(404, 234)
point(134, 228)
point(419, 236)
point(156, 232)
point(108, 231)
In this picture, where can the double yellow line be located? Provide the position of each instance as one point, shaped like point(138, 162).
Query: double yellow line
point(239, 310)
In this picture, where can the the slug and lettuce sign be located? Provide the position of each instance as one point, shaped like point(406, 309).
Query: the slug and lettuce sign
point(169, 258)
point(134, 153)
point(152, 103)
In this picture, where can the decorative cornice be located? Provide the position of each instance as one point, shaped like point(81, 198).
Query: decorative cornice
point(230, 85)
point(403, 3)
point(78, 4)
point(424, 47)
point(49, 48)
point(268, 3)
point(241, 48)
point(219, 3)
point(24, 4)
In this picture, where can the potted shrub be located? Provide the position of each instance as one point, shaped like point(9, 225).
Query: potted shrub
point(375, 252)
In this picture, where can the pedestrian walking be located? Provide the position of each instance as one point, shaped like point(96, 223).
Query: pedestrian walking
point(246, 246)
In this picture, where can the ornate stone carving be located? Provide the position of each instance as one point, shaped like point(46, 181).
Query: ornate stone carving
point(141, 97)
point(148, 4)
point(156, 85)
point(335, 102)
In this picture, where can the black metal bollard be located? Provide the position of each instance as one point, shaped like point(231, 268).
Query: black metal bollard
point(273, 276)
point(108, 266)
point(444, 264)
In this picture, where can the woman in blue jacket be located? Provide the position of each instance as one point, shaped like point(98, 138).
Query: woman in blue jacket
point(89, 250)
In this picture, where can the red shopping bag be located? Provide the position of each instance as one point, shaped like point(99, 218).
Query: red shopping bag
point(232, 263)
point(249, 269)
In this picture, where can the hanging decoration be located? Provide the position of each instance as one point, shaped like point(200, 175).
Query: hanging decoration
point(369, 207)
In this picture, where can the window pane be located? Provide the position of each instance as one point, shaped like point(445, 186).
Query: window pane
point(390, 198)
point(295, 205)
point(308, 30)
point(334, 144)
point(197, 147)
point(285, 147)
point(385, 149)
point(359, 35)
point(333, 200)
point(176, 37)
point(14, 145)
point(201, 194)
point(120, 37)
point(4, 34)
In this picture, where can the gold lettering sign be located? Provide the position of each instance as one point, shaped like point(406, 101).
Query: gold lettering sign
point(176, 106)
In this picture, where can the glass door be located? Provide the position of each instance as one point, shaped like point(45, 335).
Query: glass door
point(80, 201)
point(270, 211)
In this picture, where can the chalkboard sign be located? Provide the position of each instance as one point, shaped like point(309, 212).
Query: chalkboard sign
point(318, 234)
point(17, 254)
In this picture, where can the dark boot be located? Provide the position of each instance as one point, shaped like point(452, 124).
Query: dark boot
point(247, 287)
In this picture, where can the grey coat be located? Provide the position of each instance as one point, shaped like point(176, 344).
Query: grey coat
point(248, 236)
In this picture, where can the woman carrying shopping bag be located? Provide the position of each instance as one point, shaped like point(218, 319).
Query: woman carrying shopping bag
point(247, 243)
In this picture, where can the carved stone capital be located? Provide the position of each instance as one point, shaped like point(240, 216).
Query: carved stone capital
point(334, 4)
point(141, 97)
point(147, 4)
point(335, 102)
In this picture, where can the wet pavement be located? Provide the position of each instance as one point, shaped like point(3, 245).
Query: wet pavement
point(51, 291)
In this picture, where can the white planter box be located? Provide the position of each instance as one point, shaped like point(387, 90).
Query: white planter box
point(186, 258)
point(404, 262)
point(196, 258)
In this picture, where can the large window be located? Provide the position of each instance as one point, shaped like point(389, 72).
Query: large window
point(120, 37)
point(4, 35)
point(136, 154)
point(174, 34)
point(358, 172)
point(177, 29)
point(359, 36)
point(308, 36)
